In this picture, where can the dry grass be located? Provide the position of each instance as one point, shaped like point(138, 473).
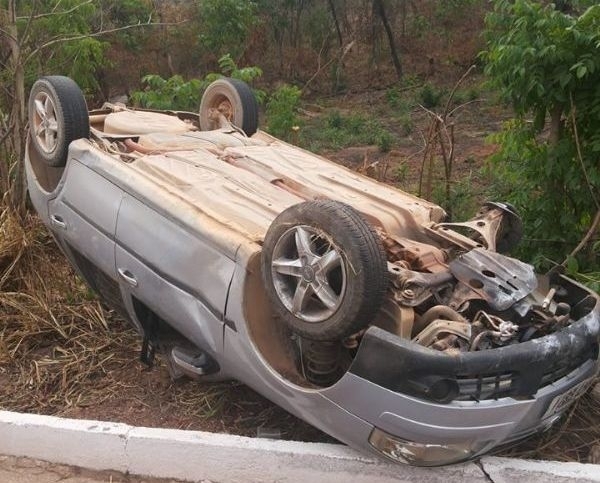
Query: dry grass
point(63, 353)
point(59, 347)
point(575, 438)
point(54, 335)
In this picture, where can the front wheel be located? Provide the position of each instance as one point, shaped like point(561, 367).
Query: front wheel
point(324, 269)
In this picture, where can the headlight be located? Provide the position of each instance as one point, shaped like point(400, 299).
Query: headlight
point(420, 454)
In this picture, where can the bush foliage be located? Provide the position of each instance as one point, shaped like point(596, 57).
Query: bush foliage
point(178, 94)
point(545, 63)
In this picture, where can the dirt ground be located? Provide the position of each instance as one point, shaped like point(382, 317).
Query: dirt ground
point(141, 396)
point(26, 470)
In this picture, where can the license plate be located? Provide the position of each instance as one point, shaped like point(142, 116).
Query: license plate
point(562, 402)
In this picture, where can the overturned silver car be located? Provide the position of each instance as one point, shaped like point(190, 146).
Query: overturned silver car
point(351, 304)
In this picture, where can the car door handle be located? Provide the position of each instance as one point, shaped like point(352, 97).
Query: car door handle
point(58, 221)
point(127, 276)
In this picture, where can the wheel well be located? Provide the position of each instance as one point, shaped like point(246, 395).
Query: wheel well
point(272, 338)
point(47, 176)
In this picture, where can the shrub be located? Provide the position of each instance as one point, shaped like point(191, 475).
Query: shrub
point(178, 94)
point(282, 111)
point(430, 96)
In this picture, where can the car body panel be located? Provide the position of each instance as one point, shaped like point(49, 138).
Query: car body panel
point(201, 324)
point(170, 266)
point(174, 254)
point(397, 212)
point(234, 197)
point(84, 214)
point(455, 422)
point(243, 359)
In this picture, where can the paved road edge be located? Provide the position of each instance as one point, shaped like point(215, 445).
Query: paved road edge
point(197, 456)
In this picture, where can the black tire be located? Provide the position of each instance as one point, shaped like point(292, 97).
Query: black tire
point(235, 100)
point(337, 233)
point(52, 132)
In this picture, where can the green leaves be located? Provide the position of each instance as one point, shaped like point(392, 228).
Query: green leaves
point(178, 94)
point(174, 93)
point(226, 24)
point(55, 39)
point(282, 111)
point(546, 64)
point(536, 53)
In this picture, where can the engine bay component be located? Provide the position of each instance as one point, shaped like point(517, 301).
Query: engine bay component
point(501, 281)
point(445, 335)
point(321, 361)
point(494, 330)
point(497, 225)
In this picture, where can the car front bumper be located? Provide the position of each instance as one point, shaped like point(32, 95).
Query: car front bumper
point(525, 394)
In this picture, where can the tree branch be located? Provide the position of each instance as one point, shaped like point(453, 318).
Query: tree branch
point(8, 35)
point(50, 14)
point(580, 156)
point(584, 241)
point(596, 222)
point(96, 34)
point(451, 96)
point(343, 53)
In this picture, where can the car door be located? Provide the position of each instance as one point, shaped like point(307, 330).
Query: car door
point(83, 217)
point(174, 271)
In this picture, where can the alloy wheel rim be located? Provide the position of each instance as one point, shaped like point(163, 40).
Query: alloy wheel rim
point(45, 122)
point(309, 273)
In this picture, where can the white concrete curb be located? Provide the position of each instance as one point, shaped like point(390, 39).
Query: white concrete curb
point(509, 470)
point(197, 456)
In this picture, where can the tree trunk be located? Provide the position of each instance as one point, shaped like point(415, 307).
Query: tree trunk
point(18, 191)
point(380, 9)
point(555, 125)
point(336, 22)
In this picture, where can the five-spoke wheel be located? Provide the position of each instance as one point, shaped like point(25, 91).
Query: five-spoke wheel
point(44, 125)
point(324, 269)
point(309, 273)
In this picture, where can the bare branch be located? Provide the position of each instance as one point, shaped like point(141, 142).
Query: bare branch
point(54, 12)
point(8, 35)
point(431, 113)
point(465, 104)
point(27, 30)
point(343, 52)
point(97, 34)
point(6, 133)
point(451, 96)
point(596, 222)
point(584, 241)
point(580, 156)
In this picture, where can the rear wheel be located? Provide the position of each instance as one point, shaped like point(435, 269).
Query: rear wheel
point(233, 99)
point(58, 115)
point(324, 269)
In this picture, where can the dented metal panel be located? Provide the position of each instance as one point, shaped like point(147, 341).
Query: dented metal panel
point(501, 281)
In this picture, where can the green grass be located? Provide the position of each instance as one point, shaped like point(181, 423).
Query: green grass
point(336, 131)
